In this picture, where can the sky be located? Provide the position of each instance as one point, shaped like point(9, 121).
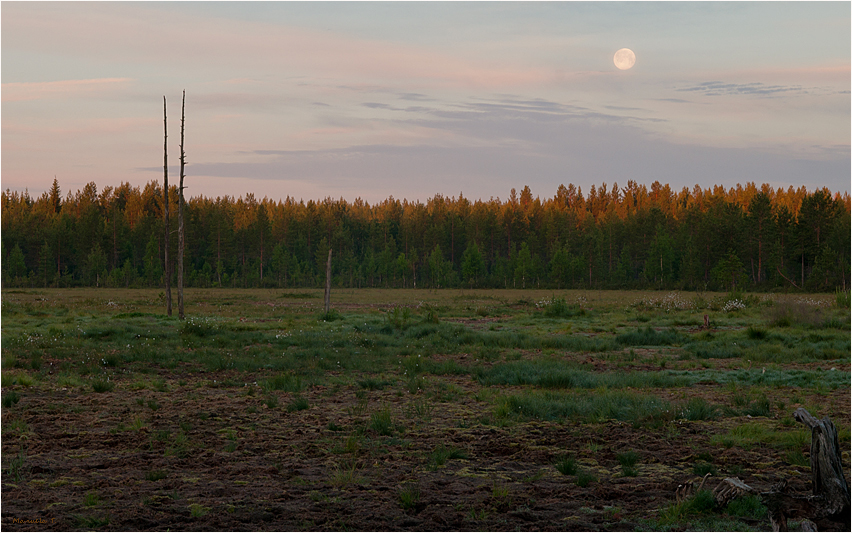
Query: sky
point(407, 99)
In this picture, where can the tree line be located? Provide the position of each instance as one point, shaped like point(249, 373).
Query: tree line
point(634, 237)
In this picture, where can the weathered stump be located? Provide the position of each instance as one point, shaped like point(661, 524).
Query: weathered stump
point(826, 464)
point(829, 505)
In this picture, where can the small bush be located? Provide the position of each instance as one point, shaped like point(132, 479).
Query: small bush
point(702, 503)
point(91, 500)
point(398, 318)
point(628, 459)
point(374, 384)
point(298, 404)
point(584, 478)
point(18, 468)
point(441, 454)
point(197, 510)
point(331, 316)
point(797, 458)
point(701, 469)
point(699, 409)
point(156, 475)
point(198, 327)
point(382, 422)
point(430, 315)
point(566, 465)
point(284, 382)
point(559, 308)
point(408, 497)
point(842, 299)
point(345, 473)
point(10, 399)
point(419, 408)
point(271, 401)
point(100, 385)
point(748, 506)
point(759, 407)
point(755, 333)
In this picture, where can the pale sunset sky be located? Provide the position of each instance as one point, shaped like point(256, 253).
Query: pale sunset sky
point(371, 100)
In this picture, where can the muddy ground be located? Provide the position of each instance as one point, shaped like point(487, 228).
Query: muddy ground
point(207, 452)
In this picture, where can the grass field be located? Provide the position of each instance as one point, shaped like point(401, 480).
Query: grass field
point(409, 409)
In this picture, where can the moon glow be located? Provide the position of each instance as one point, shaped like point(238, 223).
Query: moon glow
point(624, 59)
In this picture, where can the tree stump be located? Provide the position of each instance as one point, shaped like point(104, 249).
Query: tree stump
point(829, 505)
point(826, 465)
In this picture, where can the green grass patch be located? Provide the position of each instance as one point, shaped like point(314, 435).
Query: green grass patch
point(591, 407)
point(755, 434)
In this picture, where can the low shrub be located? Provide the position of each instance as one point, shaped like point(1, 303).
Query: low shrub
point(702, 503)
point(585, 478)
point(566, 465)
point(408, 497)
point(298, 404)
point(748, 506)
point(382, 422)
point(102, 385)
point(441, 454)
point(11, 399)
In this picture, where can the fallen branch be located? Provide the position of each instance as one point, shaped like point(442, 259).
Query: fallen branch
point(788, 279)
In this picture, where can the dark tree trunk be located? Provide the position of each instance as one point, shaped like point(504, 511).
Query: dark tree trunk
point(168, 272)
point(181, 232)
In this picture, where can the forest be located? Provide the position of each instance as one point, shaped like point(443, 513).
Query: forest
point(748, 237)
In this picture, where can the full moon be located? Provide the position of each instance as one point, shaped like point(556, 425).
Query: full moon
point(624, 59)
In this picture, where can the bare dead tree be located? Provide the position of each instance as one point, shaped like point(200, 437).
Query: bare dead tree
point(168, 272)
point(181, 234)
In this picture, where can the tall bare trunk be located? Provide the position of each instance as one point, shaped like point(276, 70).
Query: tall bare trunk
point(759, 253)
point(168, 273)
point(181, 235)
point(328, 283)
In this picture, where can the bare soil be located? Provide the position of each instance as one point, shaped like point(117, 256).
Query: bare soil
point(91, 460)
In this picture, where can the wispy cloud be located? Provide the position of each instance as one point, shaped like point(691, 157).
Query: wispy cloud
point(16, 92)
point(718, 88)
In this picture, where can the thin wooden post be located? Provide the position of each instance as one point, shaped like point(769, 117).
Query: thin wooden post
point(168, 273)
point(180, 213)
point(328, 283)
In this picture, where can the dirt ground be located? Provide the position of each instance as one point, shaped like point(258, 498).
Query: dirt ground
point(91, 461)
point(195, 450)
